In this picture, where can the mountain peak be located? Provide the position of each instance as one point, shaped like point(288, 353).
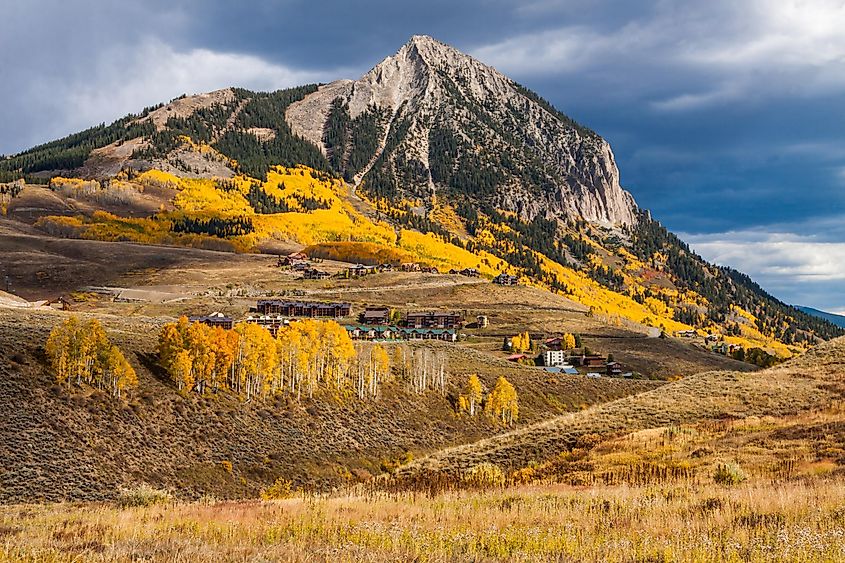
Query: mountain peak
point(428, 45)
point(445, 122)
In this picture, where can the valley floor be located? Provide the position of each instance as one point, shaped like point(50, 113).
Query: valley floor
point(795, 521)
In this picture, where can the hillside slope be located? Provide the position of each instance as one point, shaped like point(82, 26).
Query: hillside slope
point(78, 444)
point(838, 320)
point(812, 381)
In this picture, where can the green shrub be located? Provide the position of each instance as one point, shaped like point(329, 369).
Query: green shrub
point(729, 474)
point(484, 476)
point(143, 495)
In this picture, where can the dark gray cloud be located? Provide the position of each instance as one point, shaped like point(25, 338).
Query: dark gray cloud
point(726, 117)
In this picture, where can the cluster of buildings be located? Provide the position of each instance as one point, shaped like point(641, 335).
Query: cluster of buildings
point(417, 267)
point(562, 361)
point(387, 332)
point(215, 320)
point(715, 342)
point(468, 272)
point(427, 325)
point(303, 309)
point(299, 261)
point(556, 359)
point(376, 323)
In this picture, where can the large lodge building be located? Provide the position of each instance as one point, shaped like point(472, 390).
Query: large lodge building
point(304, 309)
point(433, 319)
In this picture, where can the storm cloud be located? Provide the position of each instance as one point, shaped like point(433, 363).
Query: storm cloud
point(727, 118)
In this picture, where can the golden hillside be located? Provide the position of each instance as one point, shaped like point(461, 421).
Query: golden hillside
point(812, 381)
point(301, 207)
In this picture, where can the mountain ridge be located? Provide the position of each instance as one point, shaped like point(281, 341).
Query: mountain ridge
point(430, 141)
point(838, 320)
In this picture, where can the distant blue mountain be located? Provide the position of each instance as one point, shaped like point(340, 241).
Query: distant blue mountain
point(838, 320)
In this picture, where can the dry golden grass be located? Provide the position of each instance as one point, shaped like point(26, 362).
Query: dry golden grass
point(796, 521)
point(803, 384)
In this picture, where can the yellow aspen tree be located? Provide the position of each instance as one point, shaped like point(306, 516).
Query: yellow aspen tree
point(526, 341)
point(183, 370)
point(362, 367)
point(341, 353)
point(120, 373)
point(521, 342)
point(401, 364)
point(472, 394)
point(568, 341)
point(311, 355)
point(225, 346)
point(83, 352)
point(257, 359)
point(463, 405)
point(288, 346)
point(60, 349)
point(502, 402)
point(199, 345)
point(170, 343)
point(380, 367)
point(89, 341)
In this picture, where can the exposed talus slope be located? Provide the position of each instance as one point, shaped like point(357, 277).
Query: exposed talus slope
point(462, 127)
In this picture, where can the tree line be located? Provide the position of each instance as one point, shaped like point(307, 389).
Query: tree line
point(264, 203)
point(221, 227)
point(305, 358)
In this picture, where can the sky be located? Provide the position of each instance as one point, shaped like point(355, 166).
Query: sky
point(727, 118)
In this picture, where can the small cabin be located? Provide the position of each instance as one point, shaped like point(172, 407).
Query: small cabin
point(614, 369)
point(315, 274)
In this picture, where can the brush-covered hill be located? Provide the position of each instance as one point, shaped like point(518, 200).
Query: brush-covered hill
point(76, 443)
point(431, 157)
point(809, 384)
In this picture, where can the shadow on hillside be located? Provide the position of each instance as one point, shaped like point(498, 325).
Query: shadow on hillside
point(150, 362)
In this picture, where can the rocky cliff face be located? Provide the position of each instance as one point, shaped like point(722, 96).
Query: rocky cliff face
point(432, 120)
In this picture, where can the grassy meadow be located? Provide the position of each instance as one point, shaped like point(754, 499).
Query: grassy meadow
point(796, 521)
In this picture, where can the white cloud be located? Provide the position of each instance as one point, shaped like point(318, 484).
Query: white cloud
point(799, 269)
point(127, 79)
point(805, 33)
point(682, 102)
point(567, 49)
point(799, 258)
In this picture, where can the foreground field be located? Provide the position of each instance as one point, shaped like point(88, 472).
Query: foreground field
point(799, 521)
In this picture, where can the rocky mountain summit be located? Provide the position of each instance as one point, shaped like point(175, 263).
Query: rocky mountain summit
point(445, 122)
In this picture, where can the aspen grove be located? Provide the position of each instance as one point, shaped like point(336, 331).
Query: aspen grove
point(305, 358)
point(82, 353)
